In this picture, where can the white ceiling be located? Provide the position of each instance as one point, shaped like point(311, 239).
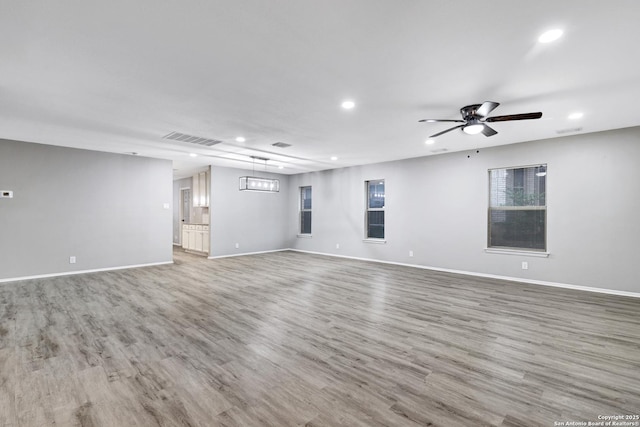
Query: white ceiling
point(117, 76)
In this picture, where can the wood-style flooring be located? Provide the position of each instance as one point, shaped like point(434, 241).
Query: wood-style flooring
point(293, 339)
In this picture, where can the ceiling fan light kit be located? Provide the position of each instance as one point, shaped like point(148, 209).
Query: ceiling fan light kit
point(474, 119)
point(473, 128)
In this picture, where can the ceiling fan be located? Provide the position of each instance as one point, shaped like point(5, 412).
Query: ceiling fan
point(474, 119)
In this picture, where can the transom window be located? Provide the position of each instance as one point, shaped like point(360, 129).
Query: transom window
point(518, 208)
point(375, 209)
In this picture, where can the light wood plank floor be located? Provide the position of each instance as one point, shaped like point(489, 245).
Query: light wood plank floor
point(292, 339)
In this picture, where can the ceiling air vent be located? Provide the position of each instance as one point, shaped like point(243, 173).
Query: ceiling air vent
point(177, 136)
point(281, 145)
point(563, 131)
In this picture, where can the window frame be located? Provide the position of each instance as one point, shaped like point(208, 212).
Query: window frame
point(368, 209)
point(302, 210)
point(515, 249)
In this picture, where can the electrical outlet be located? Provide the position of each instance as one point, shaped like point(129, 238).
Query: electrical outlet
point(525, 265)
point(410, 253)
point(337, 245)
point(72, 260)
point(166, 205)
point(237, 245)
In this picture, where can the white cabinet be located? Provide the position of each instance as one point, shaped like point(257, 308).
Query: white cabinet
point(192, 237)
point(195, 192)
point(200, 186)
point(198, 244)
point(185, 236)
point(205, 238)
point(195, 237)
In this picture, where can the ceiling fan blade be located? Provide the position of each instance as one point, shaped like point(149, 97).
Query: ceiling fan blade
point(487, 131)
point(486, 108)
point(445, 131)
point(524, 116)
point(439, 120)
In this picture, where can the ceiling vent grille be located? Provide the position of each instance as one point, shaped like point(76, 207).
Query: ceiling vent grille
point(177, 136)
point(563, 131)
point(281, 145)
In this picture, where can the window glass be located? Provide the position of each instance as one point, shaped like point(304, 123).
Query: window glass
point(376, 194)
point(517, 208)
point(375, 209)
point(305, 210)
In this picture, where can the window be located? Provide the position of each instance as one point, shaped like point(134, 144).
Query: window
point(518, 208)
point(305, 210)
point(375, 209)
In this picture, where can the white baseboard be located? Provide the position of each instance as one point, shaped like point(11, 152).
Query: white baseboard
point(249, 253)
point(491, 276)
point(71, 273)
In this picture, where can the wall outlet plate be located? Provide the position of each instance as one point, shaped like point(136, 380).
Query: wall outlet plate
point(6, 194)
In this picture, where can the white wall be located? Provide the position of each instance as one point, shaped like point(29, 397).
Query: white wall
point(255, 221)
point(105, 209)
point(436, 206)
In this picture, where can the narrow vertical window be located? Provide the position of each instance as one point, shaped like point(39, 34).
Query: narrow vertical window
point(518, 208)
point(375, 209)
point(305, 210)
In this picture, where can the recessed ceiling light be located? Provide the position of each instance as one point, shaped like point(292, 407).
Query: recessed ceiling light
point(348, 105)
point(576, 115)
point(334, 158)
point(430, 141)
point(550, 36)
point(193, 155)
point(240, 139)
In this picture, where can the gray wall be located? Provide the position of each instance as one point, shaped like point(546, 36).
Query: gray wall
point(256, 221)
point(105, 209)
point(436, 206)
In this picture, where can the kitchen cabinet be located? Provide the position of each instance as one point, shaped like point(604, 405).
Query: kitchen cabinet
point(185, 236)
point(205, 238)
point(200, 184)
point(195, 237)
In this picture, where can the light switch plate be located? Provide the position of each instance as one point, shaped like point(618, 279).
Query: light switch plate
point(6, 194)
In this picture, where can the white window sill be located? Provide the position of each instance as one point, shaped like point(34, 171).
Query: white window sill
point(536, 254)
point(305, 236)
point(379, 241)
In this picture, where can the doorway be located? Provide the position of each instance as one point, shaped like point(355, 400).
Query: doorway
point(185, 209)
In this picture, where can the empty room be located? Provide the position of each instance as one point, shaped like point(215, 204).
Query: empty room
point(319, 213)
